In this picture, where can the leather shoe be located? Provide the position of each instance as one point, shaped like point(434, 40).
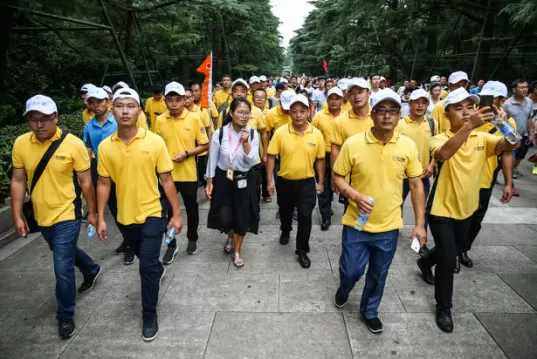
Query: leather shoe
point(426, 272)
point(304, 260)
point(457, 268)
point(325, 224)
point(284, 238)
point(443, 320)
point(465, 260)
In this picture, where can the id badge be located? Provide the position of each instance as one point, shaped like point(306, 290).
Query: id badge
point(229, 174)
point(241, 183)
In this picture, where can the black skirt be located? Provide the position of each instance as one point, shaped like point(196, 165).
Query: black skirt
point(234, 208)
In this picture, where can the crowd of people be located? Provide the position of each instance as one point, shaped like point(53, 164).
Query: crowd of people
point(302, 140)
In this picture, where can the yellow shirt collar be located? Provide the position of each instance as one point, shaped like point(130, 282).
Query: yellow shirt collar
point(353, 115)
point(56, 136)
point(309, 129)
point(140, 134)
point(370, 138)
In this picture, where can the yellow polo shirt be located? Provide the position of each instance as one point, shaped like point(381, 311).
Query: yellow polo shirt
point(345, 106)
point(54, 196)
point(134, 168)
point(270, 92)
point(297, 153)
point(276, 118)
point(492, 162)
point(324, 122)
point(455, 192)
point(87, 115)
point(221, 96)
point(443, 94)
point(377, 171)
point(256, 121)
point(420, 134)
point(205, 121)
point(152, 106)
point(142, 121)
point(440, 116)
point(349, 124)
point(182, 134)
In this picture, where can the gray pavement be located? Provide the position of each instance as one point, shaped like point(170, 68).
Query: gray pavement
point(272, 308)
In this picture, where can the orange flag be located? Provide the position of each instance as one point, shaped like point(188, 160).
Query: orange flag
point(206, 68)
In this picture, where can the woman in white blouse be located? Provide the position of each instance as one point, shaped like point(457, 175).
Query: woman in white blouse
point(231, 188)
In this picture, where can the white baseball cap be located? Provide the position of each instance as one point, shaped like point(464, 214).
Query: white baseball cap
point(382, 78)
point(254, 79)
point(126, 93)
point(458, 96)
point(343, 84)
point(494, 88)
point(240, 81)
point(334, 90)
point(40, 103)
point(419, 93)
point(97, 93)
point(174, 87)
point(285, 99)
point(87, 87)
point(457, 77)
point(385, 95)
point(284, 81)
point(107, 89)
point(435, 78)
point(262, 78)
point(357, 82)
point(299, 98)
point(119, 85)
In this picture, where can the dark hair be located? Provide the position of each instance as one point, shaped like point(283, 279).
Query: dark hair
point(436, 84)
point(304, 92)
point(223, 77)
point(260, 89)
point(518, 82)
point(188, 89)
point(533, 86)
point(375, 74)
point(233, 106)
point(195, 84)
point(408, 90)
point(280, 86)
point(156, 89)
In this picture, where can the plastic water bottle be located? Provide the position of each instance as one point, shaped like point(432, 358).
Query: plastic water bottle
point(170, 235)
point(507, 131)
point(363, 217)
point(91, 230)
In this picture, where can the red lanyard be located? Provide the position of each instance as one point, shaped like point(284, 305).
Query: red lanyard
point(233, 153)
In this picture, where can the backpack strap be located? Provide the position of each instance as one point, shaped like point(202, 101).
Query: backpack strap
point(431, 124)
point(493, 130)
point(45, 159)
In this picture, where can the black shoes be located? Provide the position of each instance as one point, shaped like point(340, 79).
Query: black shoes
point(465, 260)
point(426, 272)
point(325, 224)
point(374, 325)
point(169, 256)
point(88, 283)
point(340, 300)
point(284, 238)
point(121, 249)
point(150, 328)
point(304, 260)
point(457, 268)
point(443, 320)
point(128, 256)
point(66, 327)
point(192, 248)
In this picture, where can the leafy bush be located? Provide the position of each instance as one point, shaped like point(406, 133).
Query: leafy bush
point(70, 122)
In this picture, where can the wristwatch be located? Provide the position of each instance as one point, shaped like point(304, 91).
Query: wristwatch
point(187, 155)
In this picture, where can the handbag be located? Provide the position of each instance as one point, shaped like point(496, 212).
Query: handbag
point(27, 207)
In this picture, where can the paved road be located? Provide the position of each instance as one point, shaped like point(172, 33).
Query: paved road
point(272, 308)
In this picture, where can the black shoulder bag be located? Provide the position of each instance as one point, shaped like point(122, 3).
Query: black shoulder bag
point(27, 207)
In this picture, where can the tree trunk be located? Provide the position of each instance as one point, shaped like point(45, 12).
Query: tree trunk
point(7, 21)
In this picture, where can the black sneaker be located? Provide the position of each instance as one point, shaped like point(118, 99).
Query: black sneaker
point(340, 300)
point(284, 238)
point(325, 224)
point(374, 325)
point(150, 328)
point(66, 327)
point(169, 256)
point(121, 249)
point(128, 257)
point(192, 248)
point(89, 282)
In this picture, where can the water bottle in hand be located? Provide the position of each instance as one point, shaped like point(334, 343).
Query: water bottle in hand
point(91, 230)
point(170, 235)
point(507, 131)
point(363, 218)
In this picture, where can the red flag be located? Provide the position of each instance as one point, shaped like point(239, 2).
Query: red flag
point(206, 69)
point(325, 66)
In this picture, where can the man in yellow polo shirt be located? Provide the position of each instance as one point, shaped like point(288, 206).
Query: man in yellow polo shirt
point(223, 96)
point(456, 80)
point(279, 115)
point(301, 148)
point(376, 160)
point(155, 105)
point(185, 137)
point(137, 161)
point(142, 120)
point(324, 121)
point(492, 167)
point(460, 154)
point(87, 114)
point(56, 201)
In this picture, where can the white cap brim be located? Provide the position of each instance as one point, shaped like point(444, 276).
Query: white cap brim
point(299, 99)
point(40, 103)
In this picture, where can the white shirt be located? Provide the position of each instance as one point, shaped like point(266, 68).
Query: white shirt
point(219, 155)
point(318, 97)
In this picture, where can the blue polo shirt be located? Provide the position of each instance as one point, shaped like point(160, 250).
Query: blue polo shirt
point(94, 133)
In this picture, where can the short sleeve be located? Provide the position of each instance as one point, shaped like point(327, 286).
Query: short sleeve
point(103, 168)
point(274, 146)
point(148, 106)
point(156, 126)
point(214, 111)
point(16, 155)
point(316, 121)
point(81, 160)
point(261, 124)
point(201, 133)
point(164, 161)
point(86, 137)
point(204, 116)
point(436, 142)
point(142, 121)
point(414, 167)
point(320, 145)
point(337, 138)
point(491, 143)
point(343, 164)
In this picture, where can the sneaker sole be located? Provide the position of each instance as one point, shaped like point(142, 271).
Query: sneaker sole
point(68, 336)
point(192, 253)
point(378, 331)
point(162, 276)
point(129, 263)
point(340, 306)
point(173, 257)
point(151, 338)
point(93, 285)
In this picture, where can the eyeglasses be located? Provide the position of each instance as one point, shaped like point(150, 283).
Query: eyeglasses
point(383, 111)
point(43, 120)
point(243, 114)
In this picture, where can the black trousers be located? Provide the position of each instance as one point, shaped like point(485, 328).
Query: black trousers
point(302, 194)
point(325, 198)
point(264, 191)
point(449, 234)
point(189, 192)
point(201, 167)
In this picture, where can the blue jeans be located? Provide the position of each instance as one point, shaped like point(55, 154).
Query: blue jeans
point(426, 189)
point(145, 240)
point(358, 249)
point(62, 238)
